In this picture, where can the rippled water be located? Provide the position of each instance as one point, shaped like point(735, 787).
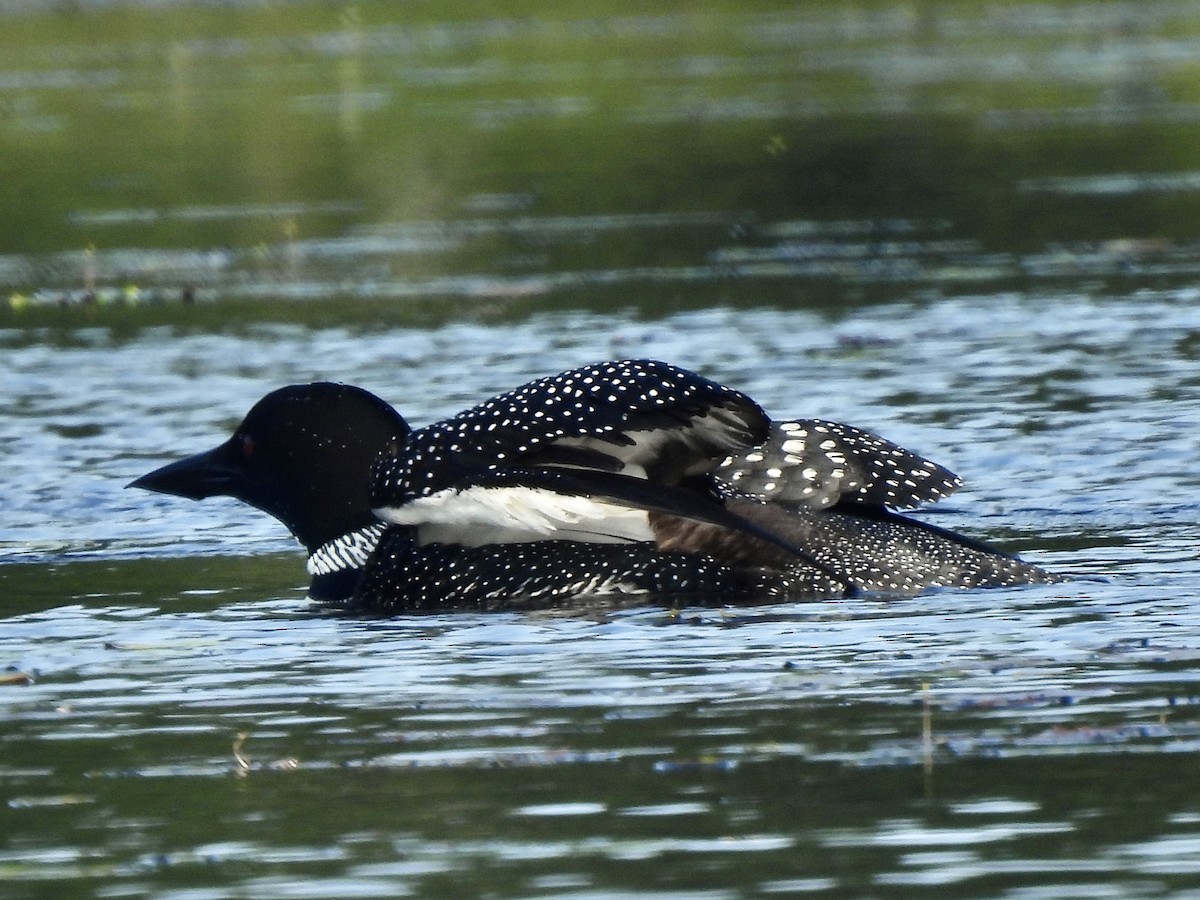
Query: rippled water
point(970, 228)
point(191, 728)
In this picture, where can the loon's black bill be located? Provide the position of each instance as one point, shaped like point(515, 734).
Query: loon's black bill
point(206, 474)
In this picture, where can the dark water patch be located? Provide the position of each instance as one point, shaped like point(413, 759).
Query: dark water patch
point(43, 577)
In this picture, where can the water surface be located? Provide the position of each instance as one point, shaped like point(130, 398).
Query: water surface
point(194, 728)
point(968, 227)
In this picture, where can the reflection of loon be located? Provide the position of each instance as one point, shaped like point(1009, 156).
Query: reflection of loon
point(618, 479)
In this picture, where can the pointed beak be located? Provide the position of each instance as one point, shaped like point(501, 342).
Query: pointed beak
point(203, 475)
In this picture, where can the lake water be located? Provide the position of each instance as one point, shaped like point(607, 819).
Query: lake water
point(1022, 306)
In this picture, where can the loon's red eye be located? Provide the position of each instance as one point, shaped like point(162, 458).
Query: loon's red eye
point(247, 447)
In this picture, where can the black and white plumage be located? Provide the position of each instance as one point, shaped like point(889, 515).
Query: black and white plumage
point(537, 463)
point(819, 464)
point(634, 480)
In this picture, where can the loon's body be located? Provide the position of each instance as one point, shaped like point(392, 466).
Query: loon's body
point(630, 481)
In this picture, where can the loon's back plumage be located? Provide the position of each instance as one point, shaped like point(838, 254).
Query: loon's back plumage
point(631, 479)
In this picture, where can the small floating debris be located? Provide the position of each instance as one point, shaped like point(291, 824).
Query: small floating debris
point(243, 766)
point(130, 295)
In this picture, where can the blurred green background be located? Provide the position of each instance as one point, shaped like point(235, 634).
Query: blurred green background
point(572, 153)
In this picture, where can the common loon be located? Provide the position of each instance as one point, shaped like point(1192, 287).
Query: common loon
point(626, 481)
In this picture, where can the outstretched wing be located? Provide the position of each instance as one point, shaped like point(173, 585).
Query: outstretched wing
point(818, 464)
point(640, 419)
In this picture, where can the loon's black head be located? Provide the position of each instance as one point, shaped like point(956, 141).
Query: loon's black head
point(303, 454)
